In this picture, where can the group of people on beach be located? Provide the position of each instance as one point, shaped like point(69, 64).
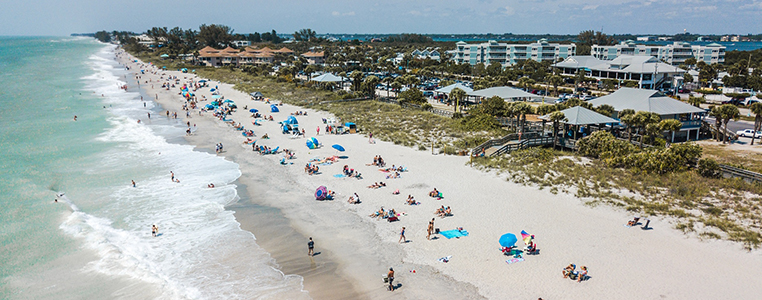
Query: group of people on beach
point(571, 273)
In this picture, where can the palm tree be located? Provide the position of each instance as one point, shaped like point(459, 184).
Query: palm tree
point(397, 87)
point(644, 120)
point(756, 108)
point(696, 101)
point(356, 80)
point(556, 117)
point(520, 110)
point(605, 109)
point(555, 80)
point(370, 85)
point(457, 95)
point(627, 117)
point(525, 82)
point(729, 111)
point(387, 81)
point(671, 125)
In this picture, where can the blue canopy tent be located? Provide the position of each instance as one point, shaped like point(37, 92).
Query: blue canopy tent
point(253, 110)
point(290, 124)
point(274, 108)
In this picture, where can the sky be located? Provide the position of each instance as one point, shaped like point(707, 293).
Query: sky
point(63, 17)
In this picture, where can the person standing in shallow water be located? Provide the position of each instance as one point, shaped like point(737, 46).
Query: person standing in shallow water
point(154, 230)
point(311, 247)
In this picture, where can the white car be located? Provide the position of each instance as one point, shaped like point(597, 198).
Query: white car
point(749, 133)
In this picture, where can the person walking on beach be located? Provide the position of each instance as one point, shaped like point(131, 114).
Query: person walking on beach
point(311, 247)
point(149, 115)
point(390, 276)
point(133, 183)
point(318, 130)
point(430, 229)
point(154, 230)
point(402, 236)
point(173, 176)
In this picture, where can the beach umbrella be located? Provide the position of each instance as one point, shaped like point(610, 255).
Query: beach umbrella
point(228, 101)
point(314, 141)
point(164, 55)
point(274, 108)
point(209, 106)
point(253, 110)
point(508, 240)
point(526, 237)
point(202, 80)
point(338, 147)
point(216, 96)
point(310, 144)
point(321, 192)
point(212, 90)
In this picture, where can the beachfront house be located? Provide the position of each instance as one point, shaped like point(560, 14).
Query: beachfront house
point(656, 102)
point(314, 58)
point(647, 71)
point(579, 123)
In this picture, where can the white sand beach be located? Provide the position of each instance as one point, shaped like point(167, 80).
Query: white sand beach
point(623, 262)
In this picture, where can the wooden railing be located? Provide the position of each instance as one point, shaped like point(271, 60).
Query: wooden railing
point(345, 100)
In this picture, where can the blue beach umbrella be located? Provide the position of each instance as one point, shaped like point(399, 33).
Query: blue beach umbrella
point(338, 147)
point(253, 110)
point(310, 144)
point(228, 101)
point(314, 141)
point(508, 240)
point(202, 80)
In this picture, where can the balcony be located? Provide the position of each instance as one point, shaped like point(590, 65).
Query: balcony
point(691, 124)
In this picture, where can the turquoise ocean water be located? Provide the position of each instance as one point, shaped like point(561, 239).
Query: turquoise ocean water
point(96, 243)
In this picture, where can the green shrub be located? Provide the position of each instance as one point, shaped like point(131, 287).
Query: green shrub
point(709, 168)
point(426, 106)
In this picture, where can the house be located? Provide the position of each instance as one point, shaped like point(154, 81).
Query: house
point(656, 102)
point(241, 44)
point(648, 71)
point(210, 57)
point(314, 58)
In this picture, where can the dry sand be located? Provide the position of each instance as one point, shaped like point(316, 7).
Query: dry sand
point(624, 263)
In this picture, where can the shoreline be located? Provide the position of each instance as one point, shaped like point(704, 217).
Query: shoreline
point(625, 263)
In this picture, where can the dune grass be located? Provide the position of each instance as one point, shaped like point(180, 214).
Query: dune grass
point(712, 208)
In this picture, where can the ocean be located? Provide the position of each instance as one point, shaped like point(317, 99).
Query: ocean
point(96, 242)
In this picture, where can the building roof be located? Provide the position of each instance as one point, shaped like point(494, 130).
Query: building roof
point(314, 54)
point(582, 116)
point(327, 77)
point(284, 50)
point(623, 63)
point(645, 100)
point(504, 92)
point(449, 88)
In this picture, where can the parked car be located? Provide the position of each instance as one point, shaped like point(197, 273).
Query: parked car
point(749, 101)
point(684, 91)
point(441, 97)
point(734, 101)
point(428, 94)
point(749, 133)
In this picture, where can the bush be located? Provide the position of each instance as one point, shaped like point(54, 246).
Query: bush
point(709, 168)
point(457, 115)
point(426, 106)
point(601, 144)
point(478, 122)
point(708, 92)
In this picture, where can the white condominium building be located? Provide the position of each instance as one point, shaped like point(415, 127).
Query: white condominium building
point(674, 54)
point(509, 54)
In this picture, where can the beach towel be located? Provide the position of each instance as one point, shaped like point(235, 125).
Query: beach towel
point(453, 233)
point(445, 259)
point(514, 260)
point(339, 175)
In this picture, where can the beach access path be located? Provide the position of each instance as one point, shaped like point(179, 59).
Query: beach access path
point(624, 263)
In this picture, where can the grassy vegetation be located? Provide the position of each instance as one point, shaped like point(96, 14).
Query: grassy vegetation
point(748, 160)
point(388, 122)
point(725, 208)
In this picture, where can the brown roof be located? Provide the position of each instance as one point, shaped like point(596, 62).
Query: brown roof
point(284, 50)
point(313, 54)
point(230, 50)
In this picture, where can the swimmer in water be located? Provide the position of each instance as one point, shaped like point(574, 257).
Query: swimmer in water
point(75, 117)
